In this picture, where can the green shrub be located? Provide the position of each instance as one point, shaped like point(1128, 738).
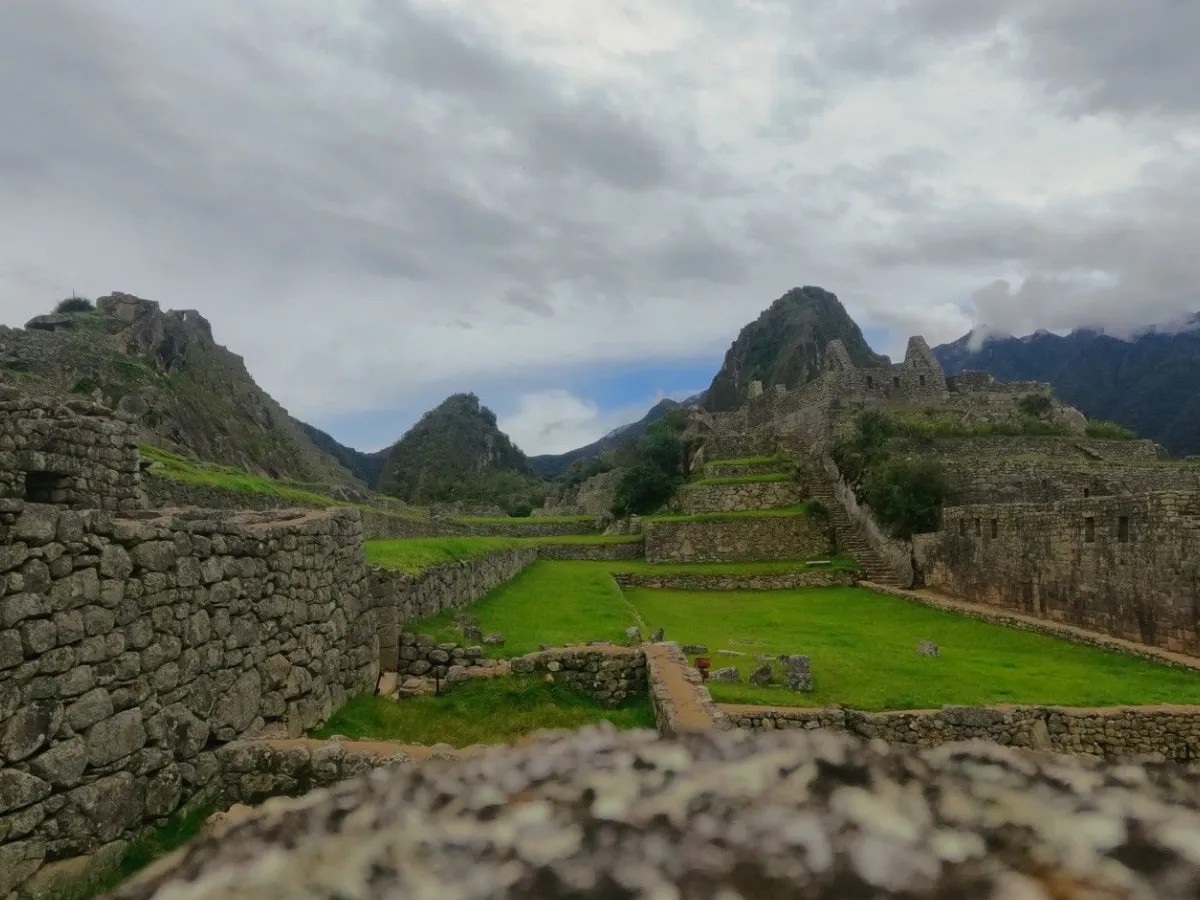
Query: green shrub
point(907, 495)
point(819, 513)
point(1036, 406)
point(74, 304)
point(520, 510)
point(644, 489)
point(1109, 431)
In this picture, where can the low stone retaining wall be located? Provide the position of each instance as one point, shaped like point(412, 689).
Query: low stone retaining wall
point(609, 674)
point(736, 497)
point(1171, 733)
point(530, 527)
point(780, 582)
point(595, 552)
point(750, 539)
point(164, 493)
point(400, 599)
point(681, 701)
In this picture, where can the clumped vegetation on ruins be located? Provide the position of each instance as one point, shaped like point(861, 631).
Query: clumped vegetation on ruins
point(485, 711)
point(74, 304)
point(171, 465)
point(1109, 431)
point(658, 468)
point(863, 651)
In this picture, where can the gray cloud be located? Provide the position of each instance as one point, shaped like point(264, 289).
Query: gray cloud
point(592, 183)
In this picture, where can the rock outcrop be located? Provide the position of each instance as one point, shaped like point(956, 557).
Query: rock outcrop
point(597, 814)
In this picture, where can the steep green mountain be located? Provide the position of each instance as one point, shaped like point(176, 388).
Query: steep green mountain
point(554, 465)
point(1150, 383)
point(189, 394)
point(366, 467)
point(455, 453)
point(785, 346)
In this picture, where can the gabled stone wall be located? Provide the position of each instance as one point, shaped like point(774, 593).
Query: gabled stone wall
point(1125, 566)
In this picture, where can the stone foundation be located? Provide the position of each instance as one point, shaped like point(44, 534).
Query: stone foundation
point(699, 498)
point(595, 552)
point(1171, 733)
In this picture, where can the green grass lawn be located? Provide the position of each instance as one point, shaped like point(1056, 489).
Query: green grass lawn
point(551, 602)
point(863, 650)
point(782, 512)
point(765, 478)
point(414, 555)
point(489, 711)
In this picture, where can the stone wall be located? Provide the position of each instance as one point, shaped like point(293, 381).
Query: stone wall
point(780, 582)
point(609, 674)
point(681, 702)
point(1117, 565)
point(531, 527)
point(982, 478)
point(399, 599)
point(132, 647)
point(735, 540)
point(701, 498)
point(593, 497)
point(166, 493)
point(595, 552)
point(1111, 733)
point(76, 454)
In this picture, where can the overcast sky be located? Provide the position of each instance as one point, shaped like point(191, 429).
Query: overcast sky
point(572, 207)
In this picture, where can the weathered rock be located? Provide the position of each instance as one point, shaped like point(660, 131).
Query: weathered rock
point(92, 707)
point(62, 765)
point(633, 634)
point(762, 676)
point(694, 649)
point(237, 707)
point(494, 640)
point(797, 673)
point(817, 816)
point(18, 790)
point(657, 636)
point(928, 648)
point(178, 730)
point(729, 674)
point(115, 738)
point(30, 729)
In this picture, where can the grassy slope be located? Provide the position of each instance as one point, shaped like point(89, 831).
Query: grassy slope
point(863, 650)
point(552, 603)
point(766, 478)
point(783, 512)
point(414, 555)
point(749, 461)
point(480, 712)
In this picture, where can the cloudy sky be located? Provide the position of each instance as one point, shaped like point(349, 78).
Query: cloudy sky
point(572, 207)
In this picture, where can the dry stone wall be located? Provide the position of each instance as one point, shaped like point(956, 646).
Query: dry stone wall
point(1111, 733)
point(399, 599)
point(782, 581)
point(1117, 565)
point(747, 539)
point(594, 552)
point(133, 645)
point(698, 498)
point(76, 454)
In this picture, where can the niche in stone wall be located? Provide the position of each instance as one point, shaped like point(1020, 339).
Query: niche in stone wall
point(48, 487)
point(1123, 529)
point(1089, 530)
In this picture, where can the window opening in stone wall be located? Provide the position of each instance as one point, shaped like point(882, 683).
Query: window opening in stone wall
point(1087, 493)
point(962, 527)
point(979, 527)
point(1089, 530)
point(922, 381)
point(870, 382)
point(995, 528)
point(896, 382)
point(1123, 529)
point(47, 487)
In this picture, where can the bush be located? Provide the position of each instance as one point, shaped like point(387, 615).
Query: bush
point(1036, 406)
point(644, 489)
point(520, 510)
point(74, 304)
point(907, 495)
point(1109, 431)
point(819, 513)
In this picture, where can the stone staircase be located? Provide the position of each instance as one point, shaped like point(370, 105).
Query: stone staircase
point(850, 539)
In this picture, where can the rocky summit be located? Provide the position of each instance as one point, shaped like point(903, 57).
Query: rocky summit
point(597, 814)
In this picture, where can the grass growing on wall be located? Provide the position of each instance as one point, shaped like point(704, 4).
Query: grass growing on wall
point(786, 512)
point(414, 555)
point(486, 711)
point(206, 474)
point(749, 461)
point(863, 651)
point(767, 478)
point(552, 603)
point(141, 852)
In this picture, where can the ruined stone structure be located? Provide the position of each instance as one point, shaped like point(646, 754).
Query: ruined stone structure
point(701, 498)
point(1127, 565)
point(735, 539)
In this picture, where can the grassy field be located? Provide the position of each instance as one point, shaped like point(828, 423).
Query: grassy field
point(480, 712)
point(551, 603)
point(141, 852)
point(863, 650)
point(765, 478)
point(783, 512)
point(414, 555)
point(749, 461)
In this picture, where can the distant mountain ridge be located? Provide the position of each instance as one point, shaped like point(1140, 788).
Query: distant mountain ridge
point(555, 464)
point(1149, 382)
point(785, 345)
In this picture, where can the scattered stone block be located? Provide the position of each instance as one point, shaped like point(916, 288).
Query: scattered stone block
point(730, 653)
point(634, 633)
point(472, 633)
point(656, 636)
point(729, 675)
point(494, 640)
point(797, 673)
point(388, 682)
point(928, 648)
point(694, 649)
point(762, 676)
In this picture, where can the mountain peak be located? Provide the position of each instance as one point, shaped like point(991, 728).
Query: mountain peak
point(785, 345)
